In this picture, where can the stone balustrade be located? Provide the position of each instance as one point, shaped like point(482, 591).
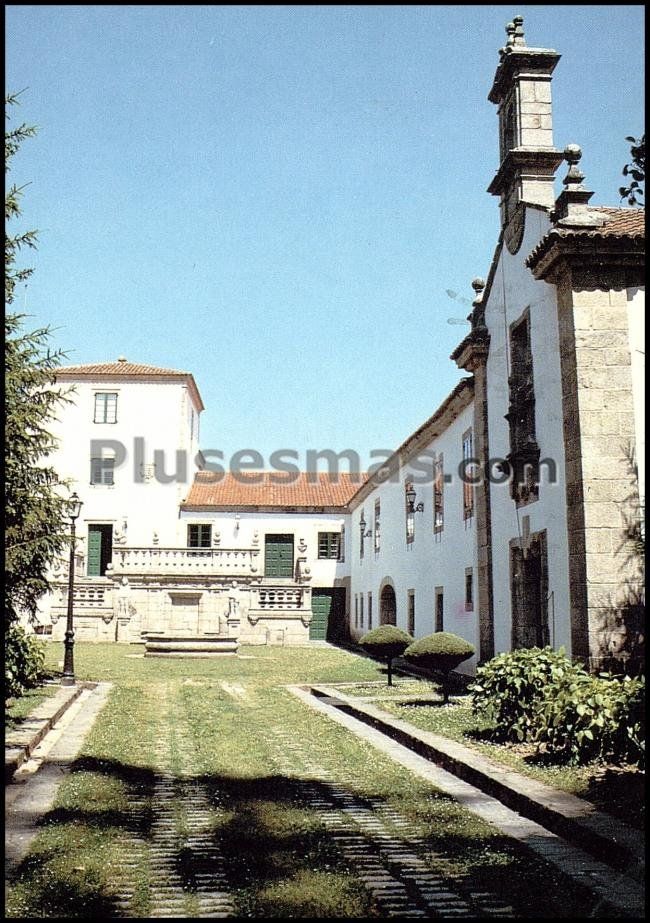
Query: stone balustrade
point(241, 562)
point(273, 597)
point(92, 599)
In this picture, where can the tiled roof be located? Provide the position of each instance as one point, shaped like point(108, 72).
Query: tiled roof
point(119, 367)
point(258, 488)
point(123, 369)
point(624, 229)
point(628, 222)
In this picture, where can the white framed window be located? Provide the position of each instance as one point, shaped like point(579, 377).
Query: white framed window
point(105, 407)
point(468, 489)
point(102, 471)
point(411, 612)
point(438, 495)
point(377, 525)
point(469, 589)
point(329, 545)
point(199, 535)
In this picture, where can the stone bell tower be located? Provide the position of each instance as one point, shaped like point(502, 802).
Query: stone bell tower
point(522, 93)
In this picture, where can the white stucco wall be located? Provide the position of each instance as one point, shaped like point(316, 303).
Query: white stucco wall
point(239, 530)
point(513, 290)
point(431, 560)
point(158, 413)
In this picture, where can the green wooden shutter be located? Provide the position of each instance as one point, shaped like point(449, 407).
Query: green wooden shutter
point(328, 613)
point(278, 556)
point(94, 551)
point(321, 605)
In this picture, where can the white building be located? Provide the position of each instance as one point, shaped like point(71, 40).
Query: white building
point(414, 558)
point(535, 550)
point(557, 350)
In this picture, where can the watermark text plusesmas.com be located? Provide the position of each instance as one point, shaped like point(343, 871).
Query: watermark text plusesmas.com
point(286, 466)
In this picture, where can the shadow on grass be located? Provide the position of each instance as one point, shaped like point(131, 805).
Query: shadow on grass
point(619, 791)
point(278, 859)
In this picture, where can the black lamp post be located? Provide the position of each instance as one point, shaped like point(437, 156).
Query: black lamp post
point(68, 660)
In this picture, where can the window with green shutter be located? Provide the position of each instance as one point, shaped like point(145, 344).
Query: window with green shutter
point(329, 545)
point(100, 549)
point(105, 407)
point(278, 555)
point(199, 535)
point(102, 471)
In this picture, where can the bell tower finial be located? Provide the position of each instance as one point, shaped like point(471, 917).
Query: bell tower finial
point(571, 207)
point(518, 35)
point(522, 93)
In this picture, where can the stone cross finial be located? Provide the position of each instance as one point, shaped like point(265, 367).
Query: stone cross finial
point(518, 34)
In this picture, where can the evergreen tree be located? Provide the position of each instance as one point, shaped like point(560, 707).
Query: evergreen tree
point(35, 504)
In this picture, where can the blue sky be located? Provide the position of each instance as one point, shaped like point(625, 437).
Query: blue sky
point(289, 201)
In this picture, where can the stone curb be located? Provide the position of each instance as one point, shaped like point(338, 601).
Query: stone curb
point(21, 742)
point(570, 817)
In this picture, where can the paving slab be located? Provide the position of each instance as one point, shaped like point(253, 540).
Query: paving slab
point(571, 817)
point(33, 788)
point(610, 888)
point(22, 740)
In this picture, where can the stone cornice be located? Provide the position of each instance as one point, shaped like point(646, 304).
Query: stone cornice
point(157, 379)
point(538, 162)
point(538, 62)
point(590, 251)
point(472, 352)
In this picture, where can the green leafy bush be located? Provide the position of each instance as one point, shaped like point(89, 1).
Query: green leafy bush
point(386, 643)
point(441, 651)
point(591, 717)
point(509, 687)
point(538, 695)
point(24, 661)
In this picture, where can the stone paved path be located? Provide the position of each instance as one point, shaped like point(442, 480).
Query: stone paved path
point(378, 842)
point(32, 791)
point(173, 862)
point(186, 865)
point(609, 887)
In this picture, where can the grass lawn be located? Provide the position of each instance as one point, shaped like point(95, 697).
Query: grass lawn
point(16, 710)
point(222, 747)
point(614, 789)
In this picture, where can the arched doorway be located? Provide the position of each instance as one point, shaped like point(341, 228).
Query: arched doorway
point(387, 606)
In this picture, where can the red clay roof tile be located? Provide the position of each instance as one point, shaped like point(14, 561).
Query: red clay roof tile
point(272, 489)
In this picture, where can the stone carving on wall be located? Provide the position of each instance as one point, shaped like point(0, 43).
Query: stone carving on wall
point(303, 572)
point(125, 609)
point(119, 535)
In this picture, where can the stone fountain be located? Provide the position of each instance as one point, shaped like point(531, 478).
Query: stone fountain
point(184, 637)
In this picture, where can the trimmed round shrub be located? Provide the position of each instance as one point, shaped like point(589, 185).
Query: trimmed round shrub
point(386, 643)
point(508, 688)
point(24, 661)
point(441, 651)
